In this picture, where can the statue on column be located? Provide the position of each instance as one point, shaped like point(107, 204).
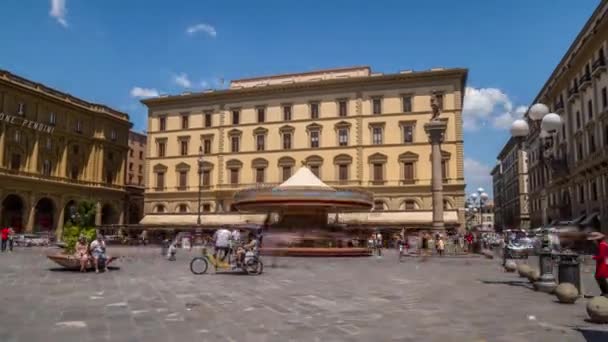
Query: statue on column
point(435, 106)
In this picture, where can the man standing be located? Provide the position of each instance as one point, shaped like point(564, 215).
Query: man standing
point(5, 232)
point(601, 260)
point(222, 242)
point(379, 243)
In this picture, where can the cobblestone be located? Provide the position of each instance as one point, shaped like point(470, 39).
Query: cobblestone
point(350, 299)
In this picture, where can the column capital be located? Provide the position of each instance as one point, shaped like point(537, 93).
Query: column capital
point(435, 129)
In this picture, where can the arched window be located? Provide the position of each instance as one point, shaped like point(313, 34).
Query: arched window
point(159, 208)
point(182, 208)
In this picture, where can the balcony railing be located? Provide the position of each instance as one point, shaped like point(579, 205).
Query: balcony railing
point(559, 106)
point(598, 66)
point(585, 81)
point(573, 93)
point(67, 180)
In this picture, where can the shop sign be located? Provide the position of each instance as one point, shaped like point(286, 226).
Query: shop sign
point(19, 121)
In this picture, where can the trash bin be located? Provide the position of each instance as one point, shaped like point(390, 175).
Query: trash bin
point(569, 270)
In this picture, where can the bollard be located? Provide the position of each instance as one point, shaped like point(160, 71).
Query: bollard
point(569, 270)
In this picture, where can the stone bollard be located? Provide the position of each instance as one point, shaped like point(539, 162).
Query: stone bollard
point(566, 293)
point(510, 266)
point(533, 275)
point(523, 270)
point(597, 309)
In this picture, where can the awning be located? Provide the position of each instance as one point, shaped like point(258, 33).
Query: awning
point(206, 220)
point(588, 221)
point(376, 218)
point(393, 218)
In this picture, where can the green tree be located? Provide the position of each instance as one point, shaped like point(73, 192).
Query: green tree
point(81, 222)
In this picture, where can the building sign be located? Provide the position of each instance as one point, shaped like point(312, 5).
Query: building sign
point(19, 121)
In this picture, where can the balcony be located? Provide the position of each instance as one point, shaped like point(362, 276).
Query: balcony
point(598, 66)
point(585, 81)
point(58, 180)
point(573, 93)
point(559, 106)
point(559, 166)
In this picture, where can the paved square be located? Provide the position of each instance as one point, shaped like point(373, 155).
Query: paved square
point(351, 299)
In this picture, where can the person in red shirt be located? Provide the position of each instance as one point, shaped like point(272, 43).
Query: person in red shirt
point(601, 260)
point(5, 231)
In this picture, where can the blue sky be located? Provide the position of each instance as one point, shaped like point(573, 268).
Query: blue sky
point(111, 51)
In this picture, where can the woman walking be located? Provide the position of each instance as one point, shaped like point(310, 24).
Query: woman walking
point(601, 260)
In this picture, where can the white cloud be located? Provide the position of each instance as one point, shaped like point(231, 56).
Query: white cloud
point(204, 84)
point(205, 28)
point(59, 11)
point(182, 80)
point(477, 174)
point(489, 105)
point(144, 92)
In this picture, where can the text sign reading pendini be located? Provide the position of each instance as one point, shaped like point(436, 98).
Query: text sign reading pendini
point(18, 121)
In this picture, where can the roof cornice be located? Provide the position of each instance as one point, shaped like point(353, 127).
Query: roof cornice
point(231, 94)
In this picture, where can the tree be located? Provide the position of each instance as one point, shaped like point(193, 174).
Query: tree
point(81, 222)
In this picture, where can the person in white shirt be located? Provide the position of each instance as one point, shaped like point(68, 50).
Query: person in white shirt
point(222, 238)
point(98, 251)
point(379, 243)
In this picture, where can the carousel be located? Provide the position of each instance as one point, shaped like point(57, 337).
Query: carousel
point(297, 216)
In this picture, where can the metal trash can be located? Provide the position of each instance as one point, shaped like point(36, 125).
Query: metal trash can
point(569, 269)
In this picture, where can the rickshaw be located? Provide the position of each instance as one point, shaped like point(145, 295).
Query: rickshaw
point(251, 265)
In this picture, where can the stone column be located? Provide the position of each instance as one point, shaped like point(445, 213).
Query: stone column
point(435, 130)
point(33, 167)
point(2, 143)
point(98, 214)
point(63, 168)
point(60, 219)
point(29, 226)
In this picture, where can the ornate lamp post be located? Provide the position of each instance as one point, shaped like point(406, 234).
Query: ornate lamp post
point(200, 173)
point(477, 202)
point(549, 124)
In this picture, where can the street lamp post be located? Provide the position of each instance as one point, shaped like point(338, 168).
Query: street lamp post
point(549, 124)
point(200, 173)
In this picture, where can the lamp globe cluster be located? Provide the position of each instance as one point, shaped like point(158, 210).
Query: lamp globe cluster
point(550, 122)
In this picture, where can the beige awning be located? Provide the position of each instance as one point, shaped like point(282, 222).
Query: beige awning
point(393, 218)
point(206, 220)
point(356, 218)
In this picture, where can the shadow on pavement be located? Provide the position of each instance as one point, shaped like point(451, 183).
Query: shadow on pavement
point(70, 270)
point(521, 283)
point(592, 335)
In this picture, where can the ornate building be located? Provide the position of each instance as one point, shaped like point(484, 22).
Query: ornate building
point(569, 170)
point(510, 183)
point(135, 176)
point(57, 150)
point(351, 127)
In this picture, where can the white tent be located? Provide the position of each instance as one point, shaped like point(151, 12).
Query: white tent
point(304, 178)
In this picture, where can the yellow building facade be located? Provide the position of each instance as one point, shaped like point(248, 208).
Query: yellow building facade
point(55, 151)
point(351, 127)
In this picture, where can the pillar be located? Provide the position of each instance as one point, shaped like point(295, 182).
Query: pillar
point(63, 168)
point(29, 226)
point(121, 214)
point(2, 143)
point(60, 219)
point(33, 167)
point(435, 130)
point(98, 214)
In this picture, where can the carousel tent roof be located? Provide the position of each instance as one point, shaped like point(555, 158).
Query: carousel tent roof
point(304, 178)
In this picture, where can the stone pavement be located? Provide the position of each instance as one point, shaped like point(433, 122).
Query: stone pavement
point(350, 299)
